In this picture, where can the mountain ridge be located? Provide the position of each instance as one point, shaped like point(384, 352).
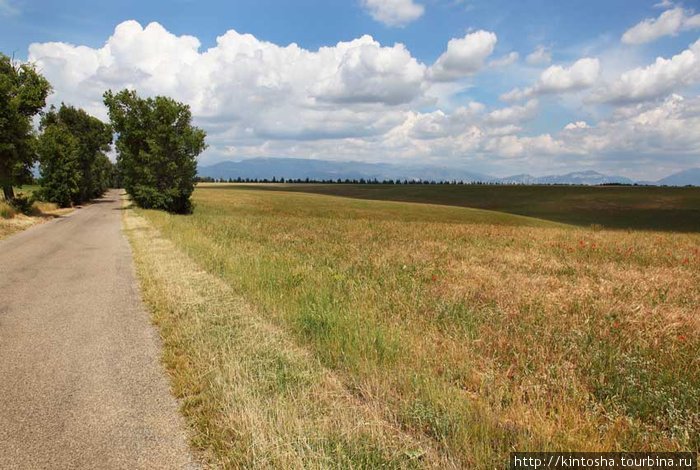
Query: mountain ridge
point(316, 169)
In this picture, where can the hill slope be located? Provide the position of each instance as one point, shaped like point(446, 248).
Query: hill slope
point(682, 178)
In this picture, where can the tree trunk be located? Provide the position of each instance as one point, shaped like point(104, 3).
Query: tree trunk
point(8, 192)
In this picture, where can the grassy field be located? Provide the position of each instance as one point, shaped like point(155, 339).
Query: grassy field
point(622, 207)
point(305, 330)
point(12, 222)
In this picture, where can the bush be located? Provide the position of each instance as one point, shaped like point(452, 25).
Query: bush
point(23, 204)
point(170, 200)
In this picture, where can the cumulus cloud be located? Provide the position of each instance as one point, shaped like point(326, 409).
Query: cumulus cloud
point(361, 100)
point(251, 86)
point(669, 23)
point(576, 125)
point(655, 80)
point(394, 12)
point(670, 127)
point(541, 55)
point(557, 79)
point(506, 60)
point(512, 146)
point(513, 114)
point(464, 56)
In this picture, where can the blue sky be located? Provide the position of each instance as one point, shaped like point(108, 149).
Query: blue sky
point(498, 99)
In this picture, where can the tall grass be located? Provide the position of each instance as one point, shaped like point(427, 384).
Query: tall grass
point(6, 211)
point(12, 220)
point(474, 331)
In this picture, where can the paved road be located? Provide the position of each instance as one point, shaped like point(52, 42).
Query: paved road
point(80, 381)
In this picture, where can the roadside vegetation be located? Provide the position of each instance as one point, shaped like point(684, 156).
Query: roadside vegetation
point(157, 149)
point(156, 144)
point(441, 336)
point(71, 150)
point(23, 93)
point(13, 220)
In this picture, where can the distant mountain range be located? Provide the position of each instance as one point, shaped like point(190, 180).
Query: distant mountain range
point(579, 177)
point(682, 178)
point(300, 168)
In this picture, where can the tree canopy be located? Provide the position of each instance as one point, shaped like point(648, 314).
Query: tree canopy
point(157, 149)
point(23, 93)
point(71, 150)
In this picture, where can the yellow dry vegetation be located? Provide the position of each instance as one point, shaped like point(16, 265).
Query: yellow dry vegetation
point(12, 222)
point(443, 336)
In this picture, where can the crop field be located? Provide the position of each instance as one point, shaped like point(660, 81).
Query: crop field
point(621, 207)
point(310, 330)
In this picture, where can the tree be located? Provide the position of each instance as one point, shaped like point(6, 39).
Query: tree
point(157, 149)
point(94, 139)
point(23, 93)
point(59, 153)
point(104, 174)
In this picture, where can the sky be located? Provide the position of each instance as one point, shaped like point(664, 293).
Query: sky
point(499, 86)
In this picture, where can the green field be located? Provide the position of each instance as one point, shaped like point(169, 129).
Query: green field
point(307, 330)
point(622, 207)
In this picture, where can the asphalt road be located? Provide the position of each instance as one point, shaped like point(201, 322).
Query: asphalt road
point(81, 385)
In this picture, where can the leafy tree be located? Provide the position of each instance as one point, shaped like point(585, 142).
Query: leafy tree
point(23, 93)
point(94, 138)
point(157, 149)
point(59, 153)
point(104, 174)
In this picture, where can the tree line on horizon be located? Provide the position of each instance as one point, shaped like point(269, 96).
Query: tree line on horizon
point(156, 144)
point(361, 181)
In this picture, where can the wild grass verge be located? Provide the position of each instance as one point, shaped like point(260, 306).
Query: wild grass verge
point(12, 222)
point(254, 398)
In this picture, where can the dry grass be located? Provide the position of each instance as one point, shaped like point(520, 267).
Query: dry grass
point(475, 333)
point(12, 222)
point(252, 396)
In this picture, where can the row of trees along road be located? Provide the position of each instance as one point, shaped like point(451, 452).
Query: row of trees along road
point(157, 145)
point(72, 150)
point(157, 149)
point(23, 94)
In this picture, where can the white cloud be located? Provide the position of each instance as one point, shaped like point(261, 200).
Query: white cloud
point(669, 23)
point(576, 125)
point(512, 146)
point(655, 80)
point(506, 60)
point(541, 55)
point(664, 4)
point(513, 114)
point(464, 56)
point(557, 79)
point(394, 12)
point(360, 100)
point(669, 128)
point(252, 87)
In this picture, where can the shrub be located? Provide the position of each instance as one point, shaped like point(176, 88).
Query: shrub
point(23, 204)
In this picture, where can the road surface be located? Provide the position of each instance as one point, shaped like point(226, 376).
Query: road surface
point(81, 385)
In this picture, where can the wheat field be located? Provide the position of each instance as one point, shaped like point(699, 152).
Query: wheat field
point(314, 331)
